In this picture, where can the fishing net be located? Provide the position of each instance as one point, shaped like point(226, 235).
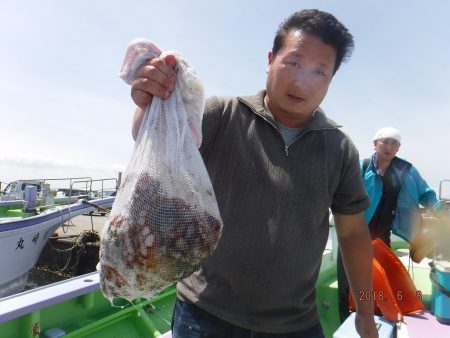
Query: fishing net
point(165, 221)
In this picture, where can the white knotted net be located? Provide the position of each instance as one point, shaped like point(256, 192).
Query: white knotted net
point(165, 221)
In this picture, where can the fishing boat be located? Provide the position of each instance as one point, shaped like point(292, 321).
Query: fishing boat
point(29, 214)
point(77, 308)
point(23, 235)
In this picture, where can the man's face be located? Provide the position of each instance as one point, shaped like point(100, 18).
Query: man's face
point(298, 78)
point(386, 148)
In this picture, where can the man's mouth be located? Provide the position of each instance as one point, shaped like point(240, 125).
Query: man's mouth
point(296, 98)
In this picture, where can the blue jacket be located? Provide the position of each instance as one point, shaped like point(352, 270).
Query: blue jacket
point(414, 192)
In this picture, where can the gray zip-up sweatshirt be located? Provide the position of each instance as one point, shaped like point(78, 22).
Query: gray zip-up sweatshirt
point(274, 201)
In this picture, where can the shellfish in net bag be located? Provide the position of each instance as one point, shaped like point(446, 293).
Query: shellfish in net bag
point(165, 220)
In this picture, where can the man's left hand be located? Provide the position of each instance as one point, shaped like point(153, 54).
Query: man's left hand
point(365, 326)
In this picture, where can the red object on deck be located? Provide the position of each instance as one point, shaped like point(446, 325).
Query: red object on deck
point(394, 291)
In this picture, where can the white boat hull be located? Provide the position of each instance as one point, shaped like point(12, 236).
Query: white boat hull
point(22, 241)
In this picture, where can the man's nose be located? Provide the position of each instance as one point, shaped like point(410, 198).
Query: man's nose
point(302, 79)
point(390, 145)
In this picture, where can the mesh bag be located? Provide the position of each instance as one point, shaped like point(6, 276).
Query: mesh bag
point(165, 221)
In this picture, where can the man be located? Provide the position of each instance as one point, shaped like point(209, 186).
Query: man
point(396, 190)
point(277, 165)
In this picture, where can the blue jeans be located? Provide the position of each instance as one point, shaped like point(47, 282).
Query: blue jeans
point(189, 321)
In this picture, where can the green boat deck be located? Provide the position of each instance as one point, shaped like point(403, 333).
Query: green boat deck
point(88, 314)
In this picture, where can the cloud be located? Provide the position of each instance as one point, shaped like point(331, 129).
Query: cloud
point(14, 167)
point(51, 162)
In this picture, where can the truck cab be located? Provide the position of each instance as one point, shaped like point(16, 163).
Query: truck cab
point(16, 191)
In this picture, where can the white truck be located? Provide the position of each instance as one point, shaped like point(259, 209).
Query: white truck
point(37, 190)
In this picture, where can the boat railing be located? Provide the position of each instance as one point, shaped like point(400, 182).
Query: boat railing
point(102, 182)
point(35, 299)
point(67, 180)
point(84, 183)
point(71, 181)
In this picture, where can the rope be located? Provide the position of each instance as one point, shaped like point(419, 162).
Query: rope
point(434, 279)
point(79, 243)
point(65, 226)
point(411, 265)
point(99, 208)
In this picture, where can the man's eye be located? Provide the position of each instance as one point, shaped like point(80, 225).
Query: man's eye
point(293, 64)
point(320, 73)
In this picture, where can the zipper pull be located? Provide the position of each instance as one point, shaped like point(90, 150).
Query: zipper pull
point(286, 148)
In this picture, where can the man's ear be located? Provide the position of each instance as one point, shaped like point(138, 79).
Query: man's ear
point(270, 59)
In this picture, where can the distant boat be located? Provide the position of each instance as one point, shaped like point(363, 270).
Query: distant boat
point(23, 235)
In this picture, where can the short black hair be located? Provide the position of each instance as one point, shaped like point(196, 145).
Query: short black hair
point(319, 23)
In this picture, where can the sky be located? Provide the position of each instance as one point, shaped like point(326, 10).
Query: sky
point(64, 112)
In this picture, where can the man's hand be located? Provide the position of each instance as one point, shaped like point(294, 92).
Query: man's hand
point(356, 251)
point(365, 326)
point(156, 77)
